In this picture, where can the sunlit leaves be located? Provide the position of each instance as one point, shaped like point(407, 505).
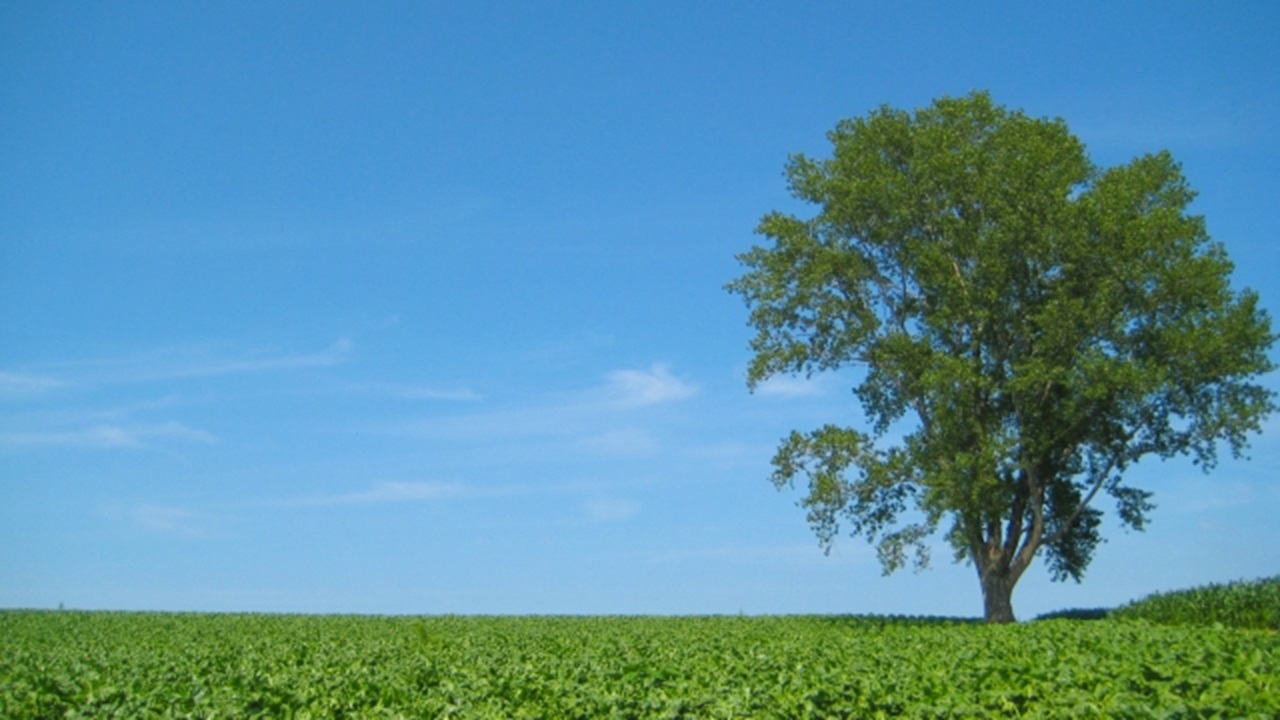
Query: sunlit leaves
point(1245, 604)
point(1043, 323)
point(244, 666)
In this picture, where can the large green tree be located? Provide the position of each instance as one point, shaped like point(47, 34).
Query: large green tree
point(1030, 326)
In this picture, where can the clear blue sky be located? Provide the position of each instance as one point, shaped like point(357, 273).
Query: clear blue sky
point(417, 307)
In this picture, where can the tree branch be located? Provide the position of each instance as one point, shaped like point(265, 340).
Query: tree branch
point(1098, 482)
point(1014, 531)
point(1035, 533)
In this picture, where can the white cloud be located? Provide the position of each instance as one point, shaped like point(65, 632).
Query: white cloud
point(656, 385)
point(417, 392)
point(596, 509)
point(1219, 495)
point(172, 520)
point(568, 351)
point(730, 455)
point(1220, 132)
point(789, 386)
point(335, 354)
point(630, 441)
point(808, 554)
point(18, 384)
point(175, 363)
point(108, 436)
point(611, 509)
point(396, 492)
point(583, 417)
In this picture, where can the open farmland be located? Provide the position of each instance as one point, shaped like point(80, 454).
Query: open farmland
point(100, 664)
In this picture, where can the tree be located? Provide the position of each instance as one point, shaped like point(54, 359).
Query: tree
point(1029, 326)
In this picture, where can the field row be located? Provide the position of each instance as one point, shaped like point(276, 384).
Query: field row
point(71, 664)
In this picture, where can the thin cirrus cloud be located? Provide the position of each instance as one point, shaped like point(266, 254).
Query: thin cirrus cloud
point(170, 520)
point(335, 354)
point(398, 391)
point(400, 492)
point(625, 441)
point(789, 386)
point(177, 363)
point(792, 555)
point(112, 429)
point(595, 509)
point(606, 510)
point(21, 384)
point(585, 414)
point(108, 436)
point(1223, 131)
point(395, 492)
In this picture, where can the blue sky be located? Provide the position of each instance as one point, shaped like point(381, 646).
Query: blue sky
point(418, 307)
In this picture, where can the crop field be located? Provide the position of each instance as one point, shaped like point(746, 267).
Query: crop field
point(102, 664)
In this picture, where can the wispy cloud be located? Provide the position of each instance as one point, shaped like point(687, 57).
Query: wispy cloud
point(396, 492)
point(115, 413)
point(123, 426)
point(606, 510)
point(108, 436)
point(625, 441)
point(176, 363)
point(1220, 495)
point(787, 386)
point(568, 351)
point(767, 554)
point(733, 454)
point(171, 520)
point(1218, 132)
point(596, 507)
point(600, 417)
point(416, 392)
point(335, 354)
point(22, 385)
point(656, 385)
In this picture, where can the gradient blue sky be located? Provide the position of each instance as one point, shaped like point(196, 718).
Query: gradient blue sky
point(418, 308)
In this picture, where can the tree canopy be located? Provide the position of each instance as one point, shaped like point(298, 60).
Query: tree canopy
point(1037, 323)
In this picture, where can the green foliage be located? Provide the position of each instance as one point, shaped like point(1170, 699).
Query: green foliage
point(1242, 604)
point(1041, 322)
point(73, 664)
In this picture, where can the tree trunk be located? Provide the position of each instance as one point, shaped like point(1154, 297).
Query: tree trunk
point(997, 595)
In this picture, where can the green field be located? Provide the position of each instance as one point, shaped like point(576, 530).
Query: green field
point(101, 664)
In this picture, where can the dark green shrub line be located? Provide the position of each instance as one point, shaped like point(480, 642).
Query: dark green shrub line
point(1076, 614)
